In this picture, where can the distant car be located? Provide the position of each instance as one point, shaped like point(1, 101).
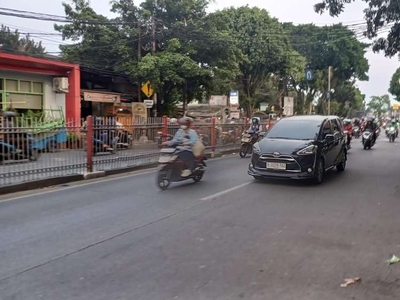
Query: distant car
point(300, 147)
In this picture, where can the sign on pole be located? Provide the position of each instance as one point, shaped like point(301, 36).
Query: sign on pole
point(234, 100)
point(309, 75)
point(147, 89)
point(288, 106)
point(149, 103)
point(395, 106)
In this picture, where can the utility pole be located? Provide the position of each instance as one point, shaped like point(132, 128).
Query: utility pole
point(329, 90)
point(139, 58)
point(153, 52)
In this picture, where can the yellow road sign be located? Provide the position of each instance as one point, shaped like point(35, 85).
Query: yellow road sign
point(147, 89)
point(395, 106)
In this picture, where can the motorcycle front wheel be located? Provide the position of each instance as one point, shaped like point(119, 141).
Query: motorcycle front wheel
point(163, 181)
point(243, 150)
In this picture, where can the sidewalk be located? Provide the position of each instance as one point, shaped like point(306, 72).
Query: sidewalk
point(73, 162)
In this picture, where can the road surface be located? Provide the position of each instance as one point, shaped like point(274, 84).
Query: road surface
point(227, 237)
point(72, 162)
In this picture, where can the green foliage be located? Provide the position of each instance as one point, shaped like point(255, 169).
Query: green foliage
point(394, 87)
point(334, 46)
point(380, 16)
point(13, 41)
point(198, 54)
point(260, 53)
point(379, 104)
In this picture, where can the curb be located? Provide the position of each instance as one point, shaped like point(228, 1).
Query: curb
point(54, 181)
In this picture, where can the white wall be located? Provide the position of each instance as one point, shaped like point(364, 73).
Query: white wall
point(52, 100)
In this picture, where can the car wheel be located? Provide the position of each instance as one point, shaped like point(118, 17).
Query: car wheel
point(342, 165)
point(319, 171)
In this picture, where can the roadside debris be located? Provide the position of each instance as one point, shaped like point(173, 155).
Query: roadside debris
point(393, 260)
point(349, 281)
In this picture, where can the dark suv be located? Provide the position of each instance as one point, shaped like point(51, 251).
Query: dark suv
point(300, 147)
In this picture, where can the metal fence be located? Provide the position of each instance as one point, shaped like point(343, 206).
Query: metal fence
point(31, 151)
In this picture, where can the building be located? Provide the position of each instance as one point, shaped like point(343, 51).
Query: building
point(105, 93)
point(28, 83)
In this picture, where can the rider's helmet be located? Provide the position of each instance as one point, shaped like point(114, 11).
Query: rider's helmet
point(185, 122)
point(346, 122)
point(255, 120)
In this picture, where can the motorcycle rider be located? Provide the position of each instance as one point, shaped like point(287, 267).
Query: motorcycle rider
point(396, 126)
point(349, 128)
point(255, 125)
point(186, 137)
point(371, 125)
point(254, 129)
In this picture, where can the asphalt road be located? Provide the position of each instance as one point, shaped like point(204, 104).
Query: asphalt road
point(227, 237)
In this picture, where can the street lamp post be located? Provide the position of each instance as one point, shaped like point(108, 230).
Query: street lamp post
point(329, 90)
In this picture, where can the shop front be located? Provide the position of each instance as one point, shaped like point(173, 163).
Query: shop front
point(99, 104)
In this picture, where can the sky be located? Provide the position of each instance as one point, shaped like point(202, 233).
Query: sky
point(296, 11)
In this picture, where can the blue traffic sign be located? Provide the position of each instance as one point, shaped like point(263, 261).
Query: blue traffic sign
point(328, 95)
point(309, 75)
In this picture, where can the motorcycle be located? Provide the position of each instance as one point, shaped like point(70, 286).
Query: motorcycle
point(391, 134)
point(356, 132)
point(367, 139)
point(170, 167)
point(348, 140)
point(249, 138)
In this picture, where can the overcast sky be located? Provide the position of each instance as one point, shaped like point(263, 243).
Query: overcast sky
point(296, 11)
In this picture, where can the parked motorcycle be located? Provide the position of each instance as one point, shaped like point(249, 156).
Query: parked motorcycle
point(356, 132)
point(170, 167)
point(367, 139)
point(391, 134)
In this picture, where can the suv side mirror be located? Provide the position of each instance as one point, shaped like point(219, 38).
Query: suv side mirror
point(329, 138)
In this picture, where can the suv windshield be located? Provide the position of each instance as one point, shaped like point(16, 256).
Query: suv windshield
point(295, 130)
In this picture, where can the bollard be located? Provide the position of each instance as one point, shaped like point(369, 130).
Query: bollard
point(89, 144)
point(213, 135)
point(165, 128)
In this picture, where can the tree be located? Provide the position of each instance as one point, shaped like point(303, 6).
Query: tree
point(334, 46)
point(394, 87)
point(379, 104)
point(12, 41)
point(191, 54)
point(260, 51)
point(99, 41)
point(380, 16)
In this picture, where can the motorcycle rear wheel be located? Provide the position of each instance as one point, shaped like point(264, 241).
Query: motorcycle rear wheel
point(198, 177)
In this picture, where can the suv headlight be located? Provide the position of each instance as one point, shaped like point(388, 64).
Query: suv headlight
point(256, 148)
point(308, 150)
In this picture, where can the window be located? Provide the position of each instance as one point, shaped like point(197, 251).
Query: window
point(25, 86)
point(12, 85)
point(295, 130)
point(336, 127)
point(38, 87)
point(21, 94)
point(327, 129)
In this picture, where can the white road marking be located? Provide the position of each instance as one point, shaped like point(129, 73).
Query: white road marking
point(77, 184)
point(224, 192)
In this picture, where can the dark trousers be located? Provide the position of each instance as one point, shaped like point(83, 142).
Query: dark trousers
point(188, 159)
